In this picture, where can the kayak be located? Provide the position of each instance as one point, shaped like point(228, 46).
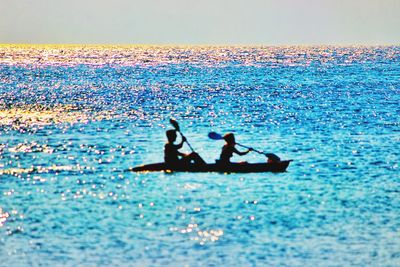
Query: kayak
point(280, 166)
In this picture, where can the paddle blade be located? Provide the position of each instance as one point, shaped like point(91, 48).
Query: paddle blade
point(215, 136)
point(175, 124)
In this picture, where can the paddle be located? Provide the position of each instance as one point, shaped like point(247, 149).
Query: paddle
point(271, 156)
point(215, 136)
point(177, 128)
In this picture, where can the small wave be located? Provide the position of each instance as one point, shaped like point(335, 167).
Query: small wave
point(31, 148)
point(42, 169)
point(3, 217)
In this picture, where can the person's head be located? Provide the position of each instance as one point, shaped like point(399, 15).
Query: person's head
point(229, 138)
point(171, 135)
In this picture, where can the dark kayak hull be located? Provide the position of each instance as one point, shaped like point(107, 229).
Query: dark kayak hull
point(234, 167)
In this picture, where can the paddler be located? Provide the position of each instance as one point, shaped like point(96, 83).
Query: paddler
point(229, 148)
point(174, 158)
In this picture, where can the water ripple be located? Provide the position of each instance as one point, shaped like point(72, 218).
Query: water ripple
point(73, 118)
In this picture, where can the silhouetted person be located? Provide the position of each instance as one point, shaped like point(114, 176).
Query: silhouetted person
point(229, 148)
point(174, 158)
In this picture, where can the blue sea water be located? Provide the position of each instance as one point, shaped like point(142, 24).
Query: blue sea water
point(73, 118)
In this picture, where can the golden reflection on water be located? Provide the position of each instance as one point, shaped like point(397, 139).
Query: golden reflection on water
point(35, 115)
point(147, 55)
point(28, 115)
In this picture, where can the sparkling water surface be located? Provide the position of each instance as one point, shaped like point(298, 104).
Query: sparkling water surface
point(74, 118)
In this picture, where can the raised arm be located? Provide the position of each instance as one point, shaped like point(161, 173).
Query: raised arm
point(180, 145)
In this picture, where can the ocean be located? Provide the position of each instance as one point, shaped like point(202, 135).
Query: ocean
point(74, 118)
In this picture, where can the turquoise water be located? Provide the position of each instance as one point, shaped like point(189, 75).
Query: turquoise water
point(73, 118)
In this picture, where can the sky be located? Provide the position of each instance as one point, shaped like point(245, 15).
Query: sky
point(200, 22)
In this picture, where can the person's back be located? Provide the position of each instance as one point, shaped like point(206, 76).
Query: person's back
point(171, 154)
point(226, 153)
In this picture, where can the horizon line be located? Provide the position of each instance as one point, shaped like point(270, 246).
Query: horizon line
point(204, 45)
